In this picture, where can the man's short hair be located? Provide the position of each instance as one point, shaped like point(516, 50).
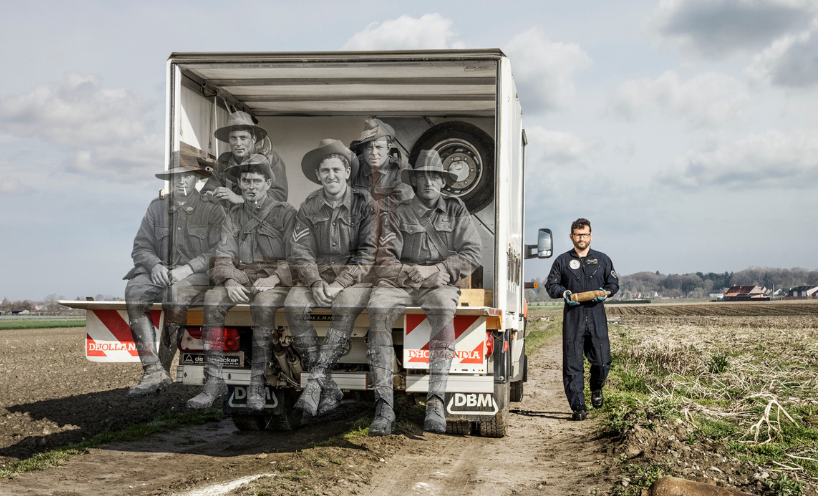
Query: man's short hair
point(342, 158)
point(580, 224)
point(249, 129)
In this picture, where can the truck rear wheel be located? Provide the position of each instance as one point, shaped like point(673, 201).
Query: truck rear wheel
point(468, 152)
point(498, 425)
point(516, 393)
point(290, 418)
point(458, 427)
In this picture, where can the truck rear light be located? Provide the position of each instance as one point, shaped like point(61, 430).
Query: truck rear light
point(195, 332)
point(489, 344)
point(231, 339)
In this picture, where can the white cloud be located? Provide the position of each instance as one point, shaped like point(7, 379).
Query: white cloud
point(771, 159)
point(104, 131)
point(715, 28)
point(705, 99)
point(12, 186)
point(547, 148)
point(790, 61)
point(406, 33)
point(544, 70)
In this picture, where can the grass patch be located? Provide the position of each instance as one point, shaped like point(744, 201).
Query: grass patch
point(539, 333)
point(9, 325)
point(59, 456)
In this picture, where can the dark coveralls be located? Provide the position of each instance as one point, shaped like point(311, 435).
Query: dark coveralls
point(171, 235)
point(405, 243)
point(279, 190)
point(584, 326)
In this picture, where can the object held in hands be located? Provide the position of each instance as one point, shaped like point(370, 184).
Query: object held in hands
point(588, 295)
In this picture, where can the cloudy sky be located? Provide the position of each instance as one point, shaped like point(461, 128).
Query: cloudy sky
point(686, 130)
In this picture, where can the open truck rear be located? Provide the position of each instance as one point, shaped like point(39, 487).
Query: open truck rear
point(464, 104)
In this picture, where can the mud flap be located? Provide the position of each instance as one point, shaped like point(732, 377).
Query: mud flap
point(477, 407)
point(236, 402)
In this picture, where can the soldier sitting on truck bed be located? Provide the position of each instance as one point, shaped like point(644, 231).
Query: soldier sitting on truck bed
point(332, 250)
point(429, 244)
point(190, 224)
point(250, 266)
point(242, 134)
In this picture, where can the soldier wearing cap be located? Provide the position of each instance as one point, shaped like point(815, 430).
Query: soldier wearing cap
point(242, 134)
point(250, 266)
point(380, 164)
point(332, 250)
point(171, 254)
point(428, 245)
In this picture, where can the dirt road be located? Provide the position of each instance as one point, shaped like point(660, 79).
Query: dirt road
point(544, 453)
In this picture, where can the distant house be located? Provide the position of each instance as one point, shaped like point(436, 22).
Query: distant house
point(803, 292)
point(20, 311)
point(746, 293)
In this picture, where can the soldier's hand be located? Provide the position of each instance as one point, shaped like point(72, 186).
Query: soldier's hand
point(224, 193)
point(333, 290)
point(159, 275)
point(266, 283)
point(319, 294)
point(236, 292)
point(567, 296)
point(420, 273)
point(600, 298)
point(439, 278)
point(180, 273)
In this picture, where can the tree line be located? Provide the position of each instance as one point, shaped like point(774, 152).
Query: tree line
point(698, 284)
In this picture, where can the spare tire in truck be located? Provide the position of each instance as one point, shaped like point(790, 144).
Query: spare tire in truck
point(467, 151)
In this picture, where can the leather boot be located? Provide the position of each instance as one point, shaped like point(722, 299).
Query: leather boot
point(381, 367)
point(262, 349)
point(154, 379)
point(214, 389)
point(333, 347)
point(308, 347)
point(168, 344)
point(440, 361)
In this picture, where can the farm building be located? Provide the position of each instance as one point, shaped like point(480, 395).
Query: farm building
point(803, 292)
point(746, 293)
point(20, 311)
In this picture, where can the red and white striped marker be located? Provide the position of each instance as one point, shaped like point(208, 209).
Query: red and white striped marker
point(469, 341)
point(108, 335)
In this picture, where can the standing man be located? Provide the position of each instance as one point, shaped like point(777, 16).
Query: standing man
point(250, 267)
point(584, 325)
point(428, 245)
point(171, 253)
point(332, 250)
point(380, 164)
point(242, 134)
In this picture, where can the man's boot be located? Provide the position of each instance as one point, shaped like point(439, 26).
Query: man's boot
point(214, 389)
point(335, 343)
point(381, 366)
point(440, 361)
point(308, 347)
point(168, 344)
point(262, 350)
point(154, 378)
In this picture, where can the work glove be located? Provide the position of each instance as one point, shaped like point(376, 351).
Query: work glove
point(600, 298)
point(567, 296)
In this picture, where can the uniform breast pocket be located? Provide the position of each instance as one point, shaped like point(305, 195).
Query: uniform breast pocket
point(271, 243)
point(197, 238)
point(443, 224)
point(161, 232)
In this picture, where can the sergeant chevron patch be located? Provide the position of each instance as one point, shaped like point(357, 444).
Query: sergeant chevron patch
point(297, 235)
point(385, 239)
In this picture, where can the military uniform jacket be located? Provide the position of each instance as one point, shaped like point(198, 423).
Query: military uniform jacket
point(254, 238)
point(571, 273)
point(279, 190)
point(334, 244)
point(405, 242)
point(192, 229)
point(384, 182)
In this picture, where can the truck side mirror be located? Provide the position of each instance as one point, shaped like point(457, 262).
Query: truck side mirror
point(543, 248)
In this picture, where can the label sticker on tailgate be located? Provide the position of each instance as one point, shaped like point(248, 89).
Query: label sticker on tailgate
point(471, 404)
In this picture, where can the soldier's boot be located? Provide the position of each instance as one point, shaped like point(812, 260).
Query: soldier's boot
point(262, 351)
point(381, 366)
point(154, 378)
point(214, 389)
point(440, 361)
point(335, 344)
point(168, 344)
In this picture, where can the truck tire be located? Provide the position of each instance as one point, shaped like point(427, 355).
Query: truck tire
point(248, 422)
point(290, 418)
point(458, 427)
point(498, 425)
point(468, 151)
point(516, 393)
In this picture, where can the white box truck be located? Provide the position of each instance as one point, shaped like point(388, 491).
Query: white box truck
point(462, 103)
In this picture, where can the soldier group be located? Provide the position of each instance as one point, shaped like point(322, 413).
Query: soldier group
point(377, 235)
